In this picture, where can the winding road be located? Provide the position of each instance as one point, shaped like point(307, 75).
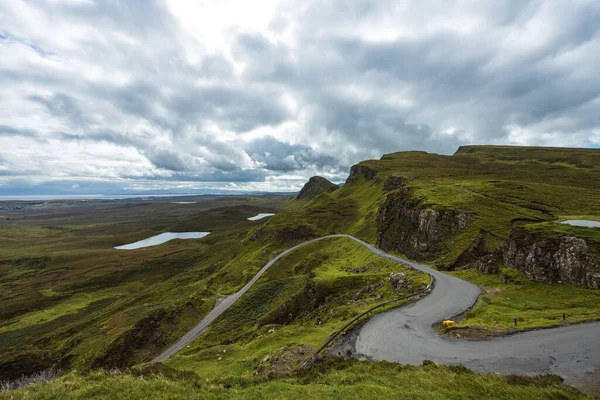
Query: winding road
point(407, 335)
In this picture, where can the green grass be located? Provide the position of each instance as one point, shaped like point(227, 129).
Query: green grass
point(300, 301)
point(332, 379)
point(533, 304)
point(498, 187)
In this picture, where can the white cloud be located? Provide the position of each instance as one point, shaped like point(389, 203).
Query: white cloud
point(206, 94)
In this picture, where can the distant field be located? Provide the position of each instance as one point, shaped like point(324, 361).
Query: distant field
point(68, 298)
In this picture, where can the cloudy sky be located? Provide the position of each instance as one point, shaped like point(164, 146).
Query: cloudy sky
point(178, 95)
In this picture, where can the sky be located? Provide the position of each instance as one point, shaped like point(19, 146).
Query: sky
point(178, 95)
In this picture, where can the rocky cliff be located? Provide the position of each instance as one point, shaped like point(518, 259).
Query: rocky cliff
point(405, 225)
point(358, 171)
point(551, 259)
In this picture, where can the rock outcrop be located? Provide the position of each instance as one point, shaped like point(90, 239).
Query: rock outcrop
point(358, 171)
point(551, 259)
point(400, 283)
point(316, 186)
point(404, 224)
point(393, 183)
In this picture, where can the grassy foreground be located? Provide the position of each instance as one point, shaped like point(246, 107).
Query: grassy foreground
point(331, 379)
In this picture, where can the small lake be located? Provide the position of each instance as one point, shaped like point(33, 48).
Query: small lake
point(184, 202)
point(260, 216)
point(162, 238)
point(582, 222)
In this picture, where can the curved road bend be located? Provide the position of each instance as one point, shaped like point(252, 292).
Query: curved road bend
point(225, 304)
point(406, 334)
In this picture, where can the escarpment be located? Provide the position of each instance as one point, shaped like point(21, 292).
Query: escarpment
point(407, 226)
point(551, 259)
point(358, 171)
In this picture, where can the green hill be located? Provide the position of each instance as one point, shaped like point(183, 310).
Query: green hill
point(450, 209)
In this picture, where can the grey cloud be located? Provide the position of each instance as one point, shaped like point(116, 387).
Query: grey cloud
point(237, 108)
point(12, 131)
point(527, 65)
point(280, 156)
point(170, 160)
point(63, 106)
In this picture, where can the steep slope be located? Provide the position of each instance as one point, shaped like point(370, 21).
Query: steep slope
point(314, 187)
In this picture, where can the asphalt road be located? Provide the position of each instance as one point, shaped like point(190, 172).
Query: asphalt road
point(407, 335)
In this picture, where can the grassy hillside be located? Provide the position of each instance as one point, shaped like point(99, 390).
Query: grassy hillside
point(497, 187)
point(332, 379)
point(294, 308)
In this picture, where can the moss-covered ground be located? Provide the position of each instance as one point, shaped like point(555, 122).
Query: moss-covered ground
point(68, 298)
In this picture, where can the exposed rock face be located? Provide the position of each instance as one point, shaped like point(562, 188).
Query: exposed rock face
point(551, 259)
point(360, 170)
point(314, 187)
point(394, 182)
point(486, 265)
point(405, 225)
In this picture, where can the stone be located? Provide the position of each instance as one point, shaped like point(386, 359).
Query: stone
point(551, 259)
point(400, 283)
point(358, 171)
point(405, 225)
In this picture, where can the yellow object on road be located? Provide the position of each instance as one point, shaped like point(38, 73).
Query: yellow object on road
point(448, 323)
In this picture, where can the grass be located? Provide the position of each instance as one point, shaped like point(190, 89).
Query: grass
point(332, 379)
point(533, 304)
point(298, 303)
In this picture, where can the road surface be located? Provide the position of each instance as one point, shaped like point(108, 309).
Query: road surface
point(407, 335)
